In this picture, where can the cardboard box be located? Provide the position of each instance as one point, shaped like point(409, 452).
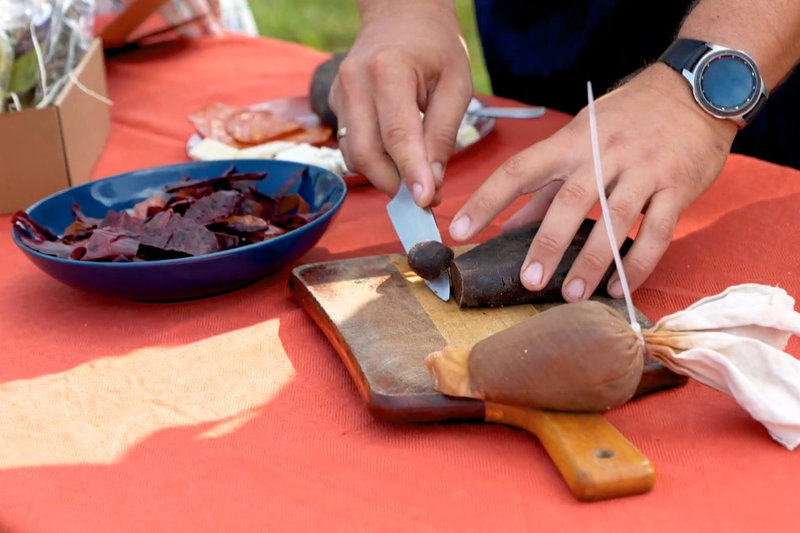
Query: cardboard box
point(43, 151)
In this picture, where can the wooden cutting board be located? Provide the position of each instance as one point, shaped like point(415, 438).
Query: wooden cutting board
point(383, 321)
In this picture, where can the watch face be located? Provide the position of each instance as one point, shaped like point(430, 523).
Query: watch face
point(727, 83)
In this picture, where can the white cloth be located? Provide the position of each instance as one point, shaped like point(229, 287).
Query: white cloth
point(734, 342)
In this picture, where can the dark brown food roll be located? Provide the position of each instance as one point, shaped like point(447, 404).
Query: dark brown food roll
point(429, 259)
point(320, 88)
point(489, 274)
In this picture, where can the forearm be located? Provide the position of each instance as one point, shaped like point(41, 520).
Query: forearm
point(767, 30)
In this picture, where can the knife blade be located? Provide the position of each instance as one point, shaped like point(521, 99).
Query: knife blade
point(414, 224)
point(476, 108)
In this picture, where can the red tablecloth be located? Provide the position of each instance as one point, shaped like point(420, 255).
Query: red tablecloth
point(234, 413)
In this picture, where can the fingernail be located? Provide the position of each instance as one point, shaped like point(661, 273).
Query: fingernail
point(417, 189)
point(615, 289)
point(438, 172)
point(574, 289)
point(532, 275)
point(459, 227)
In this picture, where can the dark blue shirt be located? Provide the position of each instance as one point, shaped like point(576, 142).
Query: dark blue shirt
point(543, 53)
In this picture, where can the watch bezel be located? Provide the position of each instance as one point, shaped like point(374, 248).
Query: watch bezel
point(696, 79)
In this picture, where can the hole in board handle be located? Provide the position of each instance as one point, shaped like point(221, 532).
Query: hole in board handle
point(604, 454)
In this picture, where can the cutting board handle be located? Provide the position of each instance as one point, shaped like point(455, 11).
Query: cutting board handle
point(594, 458)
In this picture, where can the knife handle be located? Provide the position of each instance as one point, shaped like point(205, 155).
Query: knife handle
point(596, 461)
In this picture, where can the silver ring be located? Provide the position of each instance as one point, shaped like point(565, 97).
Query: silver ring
point(341, 133)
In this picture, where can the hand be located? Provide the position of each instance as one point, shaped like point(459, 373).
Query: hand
point(408, 57)
point(659, 152)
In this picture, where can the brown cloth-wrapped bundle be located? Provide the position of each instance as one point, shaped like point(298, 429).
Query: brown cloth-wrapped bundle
point(586, 357)
point(576, 357)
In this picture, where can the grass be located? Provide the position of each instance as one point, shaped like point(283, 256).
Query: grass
point(332, 25)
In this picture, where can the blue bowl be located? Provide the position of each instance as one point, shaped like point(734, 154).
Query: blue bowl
point(188, 277)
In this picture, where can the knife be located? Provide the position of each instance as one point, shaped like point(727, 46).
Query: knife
point(414, 224)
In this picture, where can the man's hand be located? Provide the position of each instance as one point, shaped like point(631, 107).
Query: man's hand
point(659, 152)
point(408, 57)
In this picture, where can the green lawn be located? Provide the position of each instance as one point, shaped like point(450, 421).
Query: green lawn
point(331, 25)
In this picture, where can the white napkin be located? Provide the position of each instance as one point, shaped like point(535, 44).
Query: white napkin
point(734, 342)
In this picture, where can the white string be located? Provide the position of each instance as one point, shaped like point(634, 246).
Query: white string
point(598, 172)
point(15, 99)
point(88, 91)
point(39, 59)
point(46, 98)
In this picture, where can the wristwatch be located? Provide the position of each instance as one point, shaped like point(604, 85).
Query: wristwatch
point(725, 82)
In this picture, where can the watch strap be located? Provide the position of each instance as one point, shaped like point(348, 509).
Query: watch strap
point(684, 54)
point(762, 101)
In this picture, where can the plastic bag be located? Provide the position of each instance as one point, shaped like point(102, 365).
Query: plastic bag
point(47, 39)
point(70, 35)
point(6, 63)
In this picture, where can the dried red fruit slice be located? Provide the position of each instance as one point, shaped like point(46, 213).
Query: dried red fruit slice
point(189, 218)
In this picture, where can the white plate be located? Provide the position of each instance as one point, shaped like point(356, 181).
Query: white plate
point(299, 108)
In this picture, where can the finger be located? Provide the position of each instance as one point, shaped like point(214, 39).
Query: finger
point(523, 173)
point(377, 168)
point(596, 255)
point(438, 180)
point(443, 118)
point(535, 209)
point(653, 239)
point(568, 210)
point(401, 131)
point(362, 147)
point(437, 198)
